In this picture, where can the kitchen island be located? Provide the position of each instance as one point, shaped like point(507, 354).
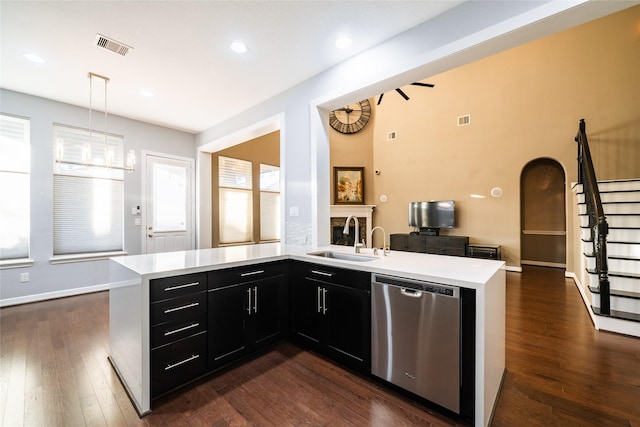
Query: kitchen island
point(131, 303)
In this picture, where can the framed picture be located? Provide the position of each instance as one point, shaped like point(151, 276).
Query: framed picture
point(348, 185)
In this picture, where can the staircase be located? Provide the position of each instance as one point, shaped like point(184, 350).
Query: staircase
point(621, 205)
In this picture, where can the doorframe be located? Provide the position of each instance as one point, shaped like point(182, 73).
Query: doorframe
point(143, 194)
point(566, 217)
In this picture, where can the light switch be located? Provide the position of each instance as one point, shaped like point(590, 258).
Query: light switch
point(136, 221)
point(294, 211)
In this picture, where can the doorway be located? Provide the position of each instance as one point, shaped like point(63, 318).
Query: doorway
point(167, 205)
point(542, 210)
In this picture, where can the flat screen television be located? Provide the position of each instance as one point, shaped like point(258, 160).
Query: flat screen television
point(432, 215)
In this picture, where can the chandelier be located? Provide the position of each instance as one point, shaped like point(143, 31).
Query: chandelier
point(109, 154)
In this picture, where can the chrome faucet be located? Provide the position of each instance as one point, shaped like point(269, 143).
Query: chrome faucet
point(385, 250)
point(356, 244)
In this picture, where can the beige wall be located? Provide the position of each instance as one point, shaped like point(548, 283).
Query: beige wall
point(264, 149)
point(525, 103)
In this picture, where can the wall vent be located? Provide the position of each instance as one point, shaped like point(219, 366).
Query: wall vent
point(464, 120)
point(112, 45)
point(392, 135)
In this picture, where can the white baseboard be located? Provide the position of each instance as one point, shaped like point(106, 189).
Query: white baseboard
point(52, 295)
point(587, 304)
point(513, 268)
point(544, 264)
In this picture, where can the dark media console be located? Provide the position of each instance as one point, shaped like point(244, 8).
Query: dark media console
point(440, 245)
point(443, 245)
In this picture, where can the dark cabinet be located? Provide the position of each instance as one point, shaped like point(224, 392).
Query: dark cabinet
point(439, 245)
point(248, 308)
point(178, 315)
point(332, 312)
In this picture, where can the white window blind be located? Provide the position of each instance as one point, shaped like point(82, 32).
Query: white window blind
point(235, 200)
point(269, 202)
point(88, 201)
point(15, 173)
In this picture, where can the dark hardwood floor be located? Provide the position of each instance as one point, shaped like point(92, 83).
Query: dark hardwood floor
point(560, 372)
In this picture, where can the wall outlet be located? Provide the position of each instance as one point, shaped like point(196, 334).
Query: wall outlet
point(24, 277)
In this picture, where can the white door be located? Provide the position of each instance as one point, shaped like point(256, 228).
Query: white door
point(167, 208)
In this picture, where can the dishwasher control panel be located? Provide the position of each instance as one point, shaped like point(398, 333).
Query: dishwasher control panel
point(434, 288)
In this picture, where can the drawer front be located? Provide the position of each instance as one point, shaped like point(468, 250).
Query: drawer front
point(169, 332)
point(399, 242)
point(177, 286)
point(178, 363)
point(179, 309)
point(249, 273)
point(338, 276)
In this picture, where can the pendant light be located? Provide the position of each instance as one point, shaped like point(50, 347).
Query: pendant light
point(109, 154)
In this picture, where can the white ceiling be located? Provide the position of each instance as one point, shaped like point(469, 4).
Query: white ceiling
point(181, 50)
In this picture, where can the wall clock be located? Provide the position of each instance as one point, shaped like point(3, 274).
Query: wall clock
point(352, 118)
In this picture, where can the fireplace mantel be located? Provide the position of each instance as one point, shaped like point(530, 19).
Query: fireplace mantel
point(360, 211)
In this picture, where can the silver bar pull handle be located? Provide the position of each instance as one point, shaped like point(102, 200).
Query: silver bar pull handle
point(186, 285)
point(249, 306)
point(251, 273)
point(322, 273)
point(319, 300)
point(182, 362)
point(410, 293)
point(182, 307)
point(255, 299)
point(175, 331)
point(324, 301)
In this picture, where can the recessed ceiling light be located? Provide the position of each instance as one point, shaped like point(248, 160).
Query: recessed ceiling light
point(344, 42)
point(34, 58)
point(146, 93)
point(239, 47)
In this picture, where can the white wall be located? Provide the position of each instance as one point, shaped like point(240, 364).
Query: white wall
point(47, 280)
point(471, 31)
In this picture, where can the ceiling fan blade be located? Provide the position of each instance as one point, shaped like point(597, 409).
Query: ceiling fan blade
point(423, 84)
point(380, 99)
point(404, 95)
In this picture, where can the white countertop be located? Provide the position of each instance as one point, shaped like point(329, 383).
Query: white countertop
point(458, 271)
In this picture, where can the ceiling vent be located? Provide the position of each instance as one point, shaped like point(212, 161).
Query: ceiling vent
point(112, 45)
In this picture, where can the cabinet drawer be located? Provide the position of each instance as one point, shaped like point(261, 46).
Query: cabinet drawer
point(177, 363)
point(169, 332)
point(399, 242)
point(339, 276)
point(249, 273)
point(179, 309)
point(177, 286)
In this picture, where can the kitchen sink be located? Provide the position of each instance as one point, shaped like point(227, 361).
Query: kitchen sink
point(343, 256)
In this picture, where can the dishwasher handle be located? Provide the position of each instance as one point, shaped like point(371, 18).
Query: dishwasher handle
point(410, 293)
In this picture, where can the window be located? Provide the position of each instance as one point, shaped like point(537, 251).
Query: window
point(15, 172)
point(236, 200)
point(88, 194)
point(269, 202)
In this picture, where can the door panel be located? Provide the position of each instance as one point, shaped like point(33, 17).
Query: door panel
point(348, 318)
point(227, 323)
point(306, 316)
point(266, 309)
point(168, 213)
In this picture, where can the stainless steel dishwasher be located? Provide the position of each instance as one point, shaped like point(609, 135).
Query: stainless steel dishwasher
point(415, 337)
